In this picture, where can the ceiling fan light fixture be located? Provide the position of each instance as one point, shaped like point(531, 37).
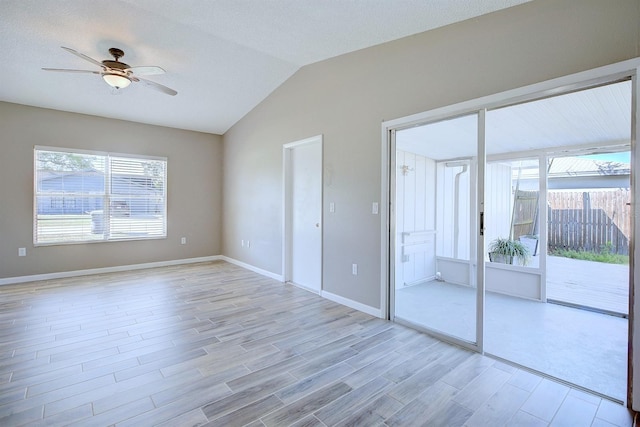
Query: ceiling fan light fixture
point(119, 75)
point(116, 80)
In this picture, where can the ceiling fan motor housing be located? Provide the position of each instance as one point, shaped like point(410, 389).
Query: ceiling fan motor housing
point(115, 63)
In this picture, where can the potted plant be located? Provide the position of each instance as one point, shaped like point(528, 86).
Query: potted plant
point(505, 250)
point(531, 242)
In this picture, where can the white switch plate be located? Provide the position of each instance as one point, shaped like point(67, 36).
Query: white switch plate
point(374, 208)
point(183, 241)
point(332, 207)
point(248, 243)
point(354, 269)
point(22, 251)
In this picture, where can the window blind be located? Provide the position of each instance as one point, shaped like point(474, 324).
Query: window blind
point(89, 196)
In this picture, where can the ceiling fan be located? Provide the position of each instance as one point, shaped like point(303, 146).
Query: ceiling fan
point(118, 74)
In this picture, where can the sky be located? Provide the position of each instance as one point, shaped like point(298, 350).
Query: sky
point(622, 157)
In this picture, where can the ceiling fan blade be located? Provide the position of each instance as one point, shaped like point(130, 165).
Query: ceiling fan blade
point(146, 70)
point(157, 86)
point(64, 70)
point(83, 56)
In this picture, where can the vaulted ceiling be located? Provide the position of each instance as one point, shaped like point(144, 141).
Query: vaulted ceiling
point(223, 57)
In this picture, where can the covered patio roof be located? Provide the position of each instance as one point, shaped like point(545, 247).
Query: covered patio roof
point(599, 116)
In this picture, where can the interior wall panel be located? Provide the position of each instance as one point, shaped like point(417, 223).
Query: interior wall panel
point(347, 97)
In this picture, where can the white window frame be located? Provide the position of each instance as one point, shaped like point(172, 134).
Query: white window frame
point(107, 195)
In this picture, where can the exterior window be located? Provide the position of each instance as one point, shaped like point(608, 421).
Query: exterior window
point(83, 196)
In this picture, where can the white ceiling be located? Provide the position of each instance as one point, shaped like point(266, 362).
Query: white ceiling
point(222, 56)
point(597, 117)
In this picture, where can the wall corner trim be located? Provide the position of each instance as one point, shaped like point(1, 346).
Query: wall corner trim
point(373, 311)
point(75, 273)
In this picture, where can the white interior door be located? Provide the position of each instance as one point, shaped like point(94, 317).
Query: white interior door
point(303, 210)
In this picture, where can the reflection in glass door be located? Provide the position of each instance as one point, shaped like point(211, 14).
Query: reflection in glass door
point(435, 227)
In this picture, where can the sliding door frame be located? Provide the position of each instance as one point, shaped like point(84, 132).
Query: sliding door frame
point(566, 84)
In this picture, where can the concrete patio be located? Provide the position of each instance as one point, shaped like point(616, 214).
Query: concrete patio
point(589, 284)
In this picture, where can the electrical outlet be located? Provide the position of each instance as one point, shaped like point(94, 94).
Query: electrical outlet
point(183, 241)
point(374, 208)
point(354, 269)
point(22, 251)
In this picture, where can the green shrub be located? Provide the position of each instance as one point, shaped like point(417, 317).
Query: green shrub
point(509, 248)
point(605, 255)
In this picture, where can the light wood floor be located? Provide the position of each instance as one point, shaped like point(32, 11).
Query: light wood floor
point(213, 344)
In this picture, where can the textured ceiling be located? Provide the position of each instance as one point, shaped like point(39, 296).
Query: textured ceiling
point(222, 56)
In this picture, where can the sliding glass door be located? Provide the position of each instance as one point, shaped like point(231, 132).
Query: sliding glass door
point(435, 227)
point(491, 210)
point(558, 194)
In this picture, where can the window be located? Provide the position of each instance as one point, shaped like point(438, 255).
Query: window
point(83, 196)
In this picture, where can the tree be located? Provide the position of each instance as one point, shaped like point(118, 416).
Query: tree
point(612, 168)
point(154, 169)
point(64, 162)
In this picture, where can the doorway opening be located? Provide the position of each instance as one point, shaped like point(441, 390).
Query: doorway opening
point(302, 254)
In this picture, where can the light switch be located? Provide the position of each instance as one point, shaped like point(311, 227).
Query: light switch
point(332, 207)
point(22, 251)
point(374, 208)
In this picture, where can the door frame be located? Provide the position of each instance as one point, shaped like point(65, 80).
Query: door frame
point(574, 82)
point(287, 204)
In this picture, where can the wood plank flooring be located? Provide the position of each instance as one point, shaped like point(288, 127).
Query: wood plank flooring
point(213, 344)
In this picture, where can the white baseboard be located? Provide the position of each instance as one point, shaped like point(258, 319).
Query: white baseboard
point(304, 288)
point(328, 295)
point(420, 281)
point(373, 311)
point(250, 267)
point(64, 274)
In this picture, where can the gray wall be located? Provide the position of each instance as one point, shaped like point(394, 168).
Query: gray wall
point(346, 98)
point(194, 190)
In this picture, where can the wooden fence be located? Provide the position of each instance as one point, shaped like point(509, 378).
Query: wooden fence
point(589, 221)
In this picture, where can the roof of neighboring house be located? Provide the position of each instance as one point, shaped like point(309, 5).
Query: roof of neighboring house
point(565, 167)
point(45, 175)
point(56, 180)
point(578, 166)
